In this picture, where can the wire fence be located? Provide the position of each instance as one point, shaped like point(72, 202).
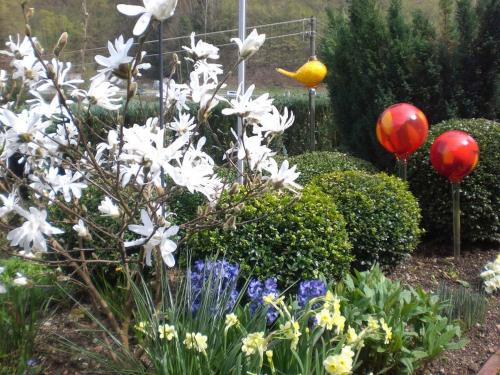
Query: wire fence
point(286, 46)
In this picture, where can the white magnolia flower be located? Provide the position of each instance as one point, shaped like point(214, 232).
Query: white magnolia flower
point(20, 279)
point(10, 203)
point(196, 172)
point(20, 130)
point(28, 69)
point(62, 78)
point(175, 94)
point(101, 93)
point(159, 9)
point(284, 177)
point(202, 50)
point(184, 123)
point(3, 79)
point(253, 150)
point(30, 236)
point(274, 123)
point(118, 56)
point(53, 183)
point(251, 44)
point(81, 229)
point(152, 237)
point(244, 106)
point(18, 49)
point(108, 208)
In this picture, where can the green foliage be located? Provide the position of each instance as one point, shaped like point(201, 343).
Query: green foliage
point(463, 304)
point(281, 236)
point(414, 334)
point(315, 163)
point(419, 332)
point(21, 311)
point(382, 216)
point(377, 59)
point(480, 196)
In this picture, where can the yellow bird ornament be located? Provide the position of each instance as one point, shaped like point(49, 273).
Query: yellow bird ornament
point(311, 74)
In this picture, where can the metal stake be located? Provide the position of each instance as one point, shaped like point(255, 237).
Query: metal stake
point(242, 25)
point(455, 192)
point(312, 91)
point(160, 81)
point(402, 165)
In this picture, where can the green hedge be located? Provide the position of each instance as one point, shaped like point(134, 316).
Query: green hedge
point(312, 164)
point(283, 236)
point(295, 140)
point(480, 197)
point(382, 216)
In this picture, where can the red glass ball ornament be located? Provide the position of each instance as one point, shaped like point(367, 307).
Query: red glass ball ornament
point(402, 129)
point(454, 154)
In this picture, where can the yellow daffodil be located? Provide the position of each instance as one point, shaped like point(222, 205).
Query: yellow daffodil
point(196, 341)
point(291, 330)
point(340, 364)
point(167, 332)
point(231, 321)
point(254, 342)
point(387, 330)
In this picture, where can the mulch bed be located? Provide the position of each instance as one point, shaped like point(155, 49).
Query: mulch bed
point(430, 266)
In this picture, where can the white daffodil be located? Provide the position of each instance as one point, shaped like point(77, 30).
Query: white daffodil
point(274, 123)
point(284, 177)
point(202, 50)
point(20, 280)
point(108, 208)
point(152, 237)
point(251, 109)
point(157, 9)
point(118, 56)
point(9, 203)
point(81, 229)
point(251, 44)
point(30, 236)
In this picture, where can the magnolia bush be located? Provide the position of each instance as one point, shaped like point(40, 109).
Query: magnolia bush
point(50, 155)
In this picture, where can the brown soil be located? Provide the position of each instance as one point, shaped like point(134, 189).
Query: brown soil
point(427, 268)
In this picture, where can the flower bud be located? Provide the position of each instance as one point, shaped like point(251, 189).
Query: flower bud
point(51, 71)
point(122, 72)
point(132, 90)
point(61, 43)
point(30, 13)
point(235, 188)
point(230, 224)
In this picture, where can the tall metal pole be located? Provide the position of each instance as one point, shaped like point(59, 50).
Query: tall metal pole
point(160, 80)
point(312, 91)
point(455, 192)
point(242, 25)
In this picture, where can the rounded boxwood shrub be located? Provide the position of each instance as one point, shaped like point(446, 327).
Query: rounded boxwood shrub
point(312, 164)
point(480, 197)
point(381, 214)
point(282, 236)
